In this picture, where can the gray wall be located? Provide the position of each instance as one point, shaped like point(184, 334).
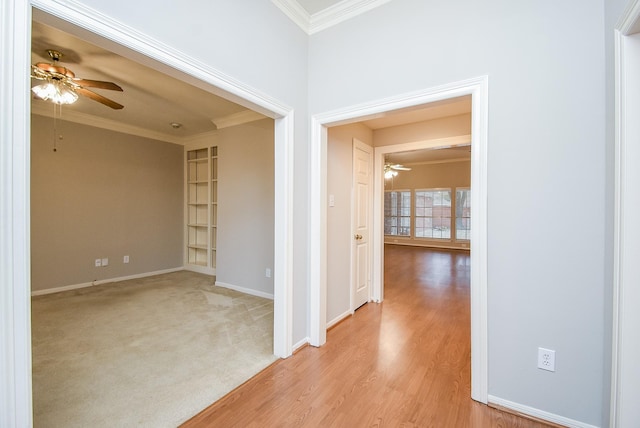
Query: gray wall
point(546, 67)
point(102, 194)
point(245, 210)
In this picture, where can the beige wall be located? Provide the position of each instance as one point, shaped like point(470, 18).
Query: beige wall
point(103, 194)
point(339, 166)
point(429, 176)
point(245, 247)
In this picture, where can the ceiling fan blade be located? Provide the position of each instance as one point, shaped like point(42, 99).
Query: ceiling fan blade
point(50, 68)
point(401, 168)
point(99, 98)
point(97, 84)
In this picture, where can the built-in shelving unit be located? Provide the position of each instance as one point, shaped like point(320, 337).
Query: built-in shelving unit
point(201, 209)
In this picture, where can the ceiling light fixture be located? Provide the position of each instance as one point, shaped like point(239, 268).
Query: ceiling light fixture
point(55, 91)
point(390, 174)
point(176, 125)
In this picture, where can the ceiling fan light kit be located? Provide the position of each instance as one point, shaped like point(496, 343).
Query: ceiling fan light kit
point(391, 170)
point(56, 92)
point(62, 86)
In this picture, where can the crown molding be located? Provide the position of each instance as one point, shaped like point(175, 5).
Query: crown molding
point(328, 17)
point(340, 12)
point(434, 162)
point(99, 122)
point(235, 119)
point(295, 12)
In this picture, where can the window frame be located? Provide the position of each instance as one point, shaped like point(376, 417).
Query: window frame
point(455, 219)
point(410, 216)
point(416, 216)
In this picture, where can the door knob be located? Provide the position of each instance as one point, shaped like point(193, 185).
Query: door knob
point(358, 236)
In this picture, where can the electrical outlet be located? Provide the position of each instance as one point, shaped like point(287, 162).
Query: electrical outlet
point(547, 359)
point(105, 262)
point(267, 273)
point(125, 259)
point(98, 262)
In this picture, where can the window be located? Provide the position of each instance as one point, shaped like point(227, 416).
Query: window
point(433, 214)
point(463, 214)
point(397, 213)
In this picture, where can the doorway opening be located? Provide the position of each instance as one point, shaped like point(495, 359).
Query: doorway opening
point(478, 90)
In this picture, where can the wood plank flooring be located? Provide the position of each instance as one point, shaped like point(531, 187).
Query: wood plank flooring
point(405, 362)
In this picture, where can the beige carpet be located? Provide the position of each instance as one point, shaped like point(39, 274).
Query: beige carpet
point(147, 352)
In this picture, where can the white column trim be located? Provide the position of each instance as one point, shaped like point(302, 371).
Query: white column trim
point(478, 88)
point(15, 252)
point(623, 259)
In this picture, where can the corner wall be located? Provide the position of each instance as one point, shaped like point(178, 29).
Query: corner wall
point(245, 247)
point(103, 194)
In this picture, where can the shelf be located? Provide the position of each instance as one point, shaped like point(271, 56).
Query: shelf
point(201, 187)
point(197, 246)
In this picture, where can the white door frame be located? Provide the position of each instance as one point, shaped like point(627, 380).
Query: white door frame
point(625, 374)
point(15, 324)
point(478, 89)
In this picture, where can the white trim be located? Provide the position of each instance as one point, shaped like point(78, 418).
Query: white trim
point(300, 344)
point(134, 41)
point(340, 12)
point(478, 88)
point(15, 250)
point(40, 108)
point(295, 12)
point(283, 233)
point(240, 118)
point(244, 290)
point(429, 245)
point(245, 116)
point(333, 15)
point(434, 162)
point(339, 318)
point(536, 413)
point(103, 281)
point(318, 234)
point(623, 409)
point(200, 269)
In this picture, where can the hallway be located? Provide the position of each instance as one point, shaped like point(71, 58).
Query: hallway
point(403, 362)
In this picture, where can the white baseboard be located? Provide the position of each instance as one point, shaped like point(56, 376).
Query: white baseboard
point(200, 269)
point(428, 245)
point(537, 413)
point(339, 318)
point(300, 344)
point(244, 290)
point(103, 281)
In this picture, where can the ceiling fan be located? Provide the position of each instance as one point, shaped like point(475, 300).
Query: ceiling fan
point(391, 170)
point(61, 85)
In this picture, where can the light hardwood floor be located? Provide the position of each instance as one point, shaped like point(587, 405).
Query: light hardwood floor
point(405, 362)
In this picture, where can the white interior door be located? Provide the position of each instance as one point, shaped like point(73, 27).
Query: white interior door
point(361, 224)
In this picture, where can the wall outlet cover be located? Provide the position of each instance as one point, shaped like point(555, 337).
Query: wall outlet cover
point(547, 359)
